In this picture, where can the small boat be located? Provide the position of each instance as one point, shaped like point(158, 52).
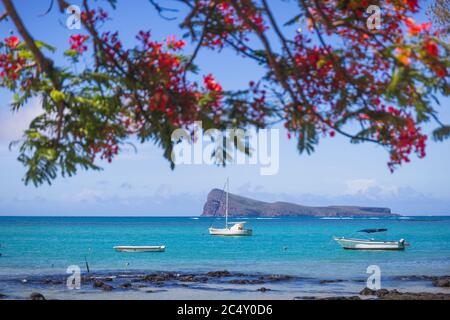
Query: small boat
point(140, 248)
point(370, 244)
point(236, 229)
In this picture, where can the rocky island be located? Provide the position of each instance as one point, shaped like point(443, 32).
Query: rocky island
point(240, 206)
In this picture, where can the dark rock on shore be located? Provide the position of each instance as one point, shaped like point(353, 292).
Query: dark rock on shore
point(275, 278)
point(154, 277)
point(342, 298)
point(442, 282)
point(126, 285)
point(3, 296)
point(396, 295)
point(367, 292)
point(193, 279)
point(263, 289)
point(437, 281)
point(53, 281)
point(223, 273)
point(330, 281)
point(384, 294)
point(107, 287)
point(246, 281)
point(102, 285)
point(37, 296)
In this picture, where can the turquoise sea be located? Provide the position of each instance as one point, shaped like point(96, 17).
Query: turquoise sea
point(302, 247)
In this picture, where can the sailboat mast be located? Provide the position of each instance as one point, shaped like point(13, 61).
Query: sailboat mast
point(226, 203)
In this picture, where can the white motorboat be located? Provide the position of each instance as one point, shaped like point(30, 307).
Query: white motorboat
point(370, 244)
point(231, 228)
point(140, 248)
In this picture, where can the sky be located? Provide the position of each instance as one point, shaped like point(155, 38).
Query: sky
point(142, 183)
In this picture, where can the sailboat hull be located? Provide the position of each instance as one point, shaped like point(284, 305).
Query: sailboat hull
point(229, 232)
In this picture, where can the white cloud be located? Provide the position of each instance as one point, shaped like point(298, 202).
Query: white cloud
point(359, 185)
point(12, 124)
point(163, 192)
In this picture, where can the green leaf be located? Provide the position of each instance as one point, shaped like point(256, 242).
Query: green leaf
point(57, 96)
point(71, 53)
point(295, 19)
point(41, 44)
point(442, 133)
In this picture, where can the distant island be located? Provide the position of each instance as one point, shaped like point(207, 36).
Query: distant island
point(245, 207)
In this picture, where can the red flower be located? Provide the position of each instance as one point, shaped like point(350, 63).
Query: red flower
point(414, 28)
point(432, 48)
point(413, 6)
point(211, 84)
point(77, 43)
point(12, 42)
point(174, 44)
point(440, 72)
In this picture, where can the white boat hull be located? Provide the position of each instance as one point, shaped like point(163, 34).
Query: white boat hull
point(140, 248)
point(229, 232)
point(362, 244)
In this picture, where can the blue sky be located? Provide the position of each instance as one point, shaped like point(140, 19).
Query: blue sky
point(142, 183)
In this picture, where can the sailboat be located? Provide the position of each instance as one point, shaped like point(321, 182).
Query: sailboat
point(231, 228)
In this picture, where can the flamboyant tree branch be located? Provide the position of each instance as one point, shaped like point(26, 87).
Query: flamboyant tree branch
point(45, 64)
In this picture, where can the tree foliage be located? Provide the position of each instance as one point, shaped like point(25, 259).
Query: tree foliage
point(334, 76)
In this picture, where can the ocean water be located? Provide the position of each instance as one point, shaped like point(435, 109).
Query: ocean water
point(296, 246)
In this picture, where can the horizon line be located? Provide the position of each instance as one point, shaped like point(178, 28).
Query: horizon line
point(200, 216)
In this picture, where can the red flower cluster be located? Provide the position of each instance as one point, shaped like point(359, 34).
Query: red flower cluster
point(414, 28)
point(432, 48)
point(232, 20)
point(174, 44)
point(12, 42)
point(107, 148)
point(94, 16)
point(77, 43)
point(10, 63)
point(404, 140)
point(211, 84)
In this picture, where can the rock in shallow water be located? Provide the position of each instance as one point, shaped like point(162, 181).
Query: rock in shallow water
point(193, 279)
point(246, 281)
point(126, 285)
point(224, 273)
point(107, 287)
point(342, 298)
point(330, 281)
point(367, 292)
point(102, 285)
point(384, 294)
point(37, 296)
point(396, 295)
point(442, 283)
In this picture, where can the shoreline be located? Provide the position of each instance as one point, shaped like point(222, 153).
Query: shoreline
point(219, 284)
